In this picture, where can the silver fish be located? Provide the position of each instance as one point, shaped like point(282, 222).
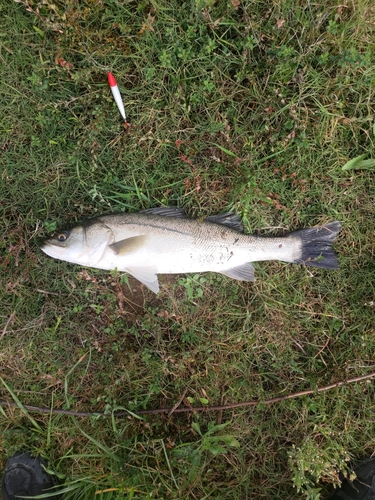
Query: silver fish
point(165, 241)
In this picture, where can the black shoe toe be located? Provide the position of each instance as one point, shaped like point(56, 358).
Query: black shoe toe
point(25, 475)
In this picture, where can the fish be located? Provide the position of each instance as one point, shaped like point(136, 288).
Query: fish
point(164, 240)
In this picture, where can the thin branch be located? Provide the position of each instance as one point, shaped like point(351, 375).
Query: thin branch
point(175, 406)
point(10, 319)
point(174, 409)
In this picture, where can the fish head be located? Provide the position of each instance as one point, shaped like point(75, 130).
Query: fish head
point(84, 244)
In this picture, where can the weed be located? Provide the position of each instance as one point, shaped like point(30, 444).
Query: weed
point(193, 285)
point(192, 454)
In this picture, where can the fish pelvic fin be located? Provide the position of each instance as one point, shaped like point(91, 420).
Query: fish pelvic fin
point(245, 272)
point(316, 248)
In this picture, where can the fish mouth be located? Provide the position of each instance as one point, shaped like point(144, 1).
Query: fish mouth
point(61, 252)
point(45, 247)
point(52, 250)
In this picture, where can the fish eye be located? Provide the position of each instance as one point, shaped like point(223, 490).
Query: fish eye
point(62, 236)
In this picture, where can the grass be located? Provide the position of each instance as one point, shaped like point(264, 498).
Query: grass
point(247, 106)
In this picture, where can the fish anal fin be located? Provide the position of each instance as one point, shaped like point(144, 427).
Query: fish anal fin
point(147, 276)
point(128, 245)
point(244, 272)
point(229, 219)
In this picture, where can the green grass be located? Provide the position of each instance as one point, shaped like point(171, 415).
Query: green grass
point(255, 108)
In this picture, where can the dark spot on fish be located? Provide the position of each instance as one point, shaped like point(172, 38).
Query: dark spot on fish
point(235, 241)
point(280, 246)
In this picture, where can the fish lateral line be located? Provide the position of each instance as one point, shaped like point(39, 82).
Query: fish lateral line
point(155, 226)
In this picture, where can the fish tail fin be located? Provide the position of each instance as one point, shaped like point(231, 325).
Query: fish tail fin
point(316, 245)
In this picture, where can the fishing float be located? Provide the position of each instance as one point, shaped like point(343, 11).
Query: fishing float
point(116, 95)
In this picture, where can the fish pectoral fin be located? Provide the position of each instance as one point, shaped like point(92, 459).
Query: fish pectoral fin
point(245, 272)
point(147, 276)
point(128, 245)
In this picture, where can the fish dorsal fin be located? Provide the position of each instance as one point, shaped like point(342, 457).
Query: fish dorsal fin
point(129, 245)
point(147, 276)
point(166, 212)
point(245, 272)
point(229, 219)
